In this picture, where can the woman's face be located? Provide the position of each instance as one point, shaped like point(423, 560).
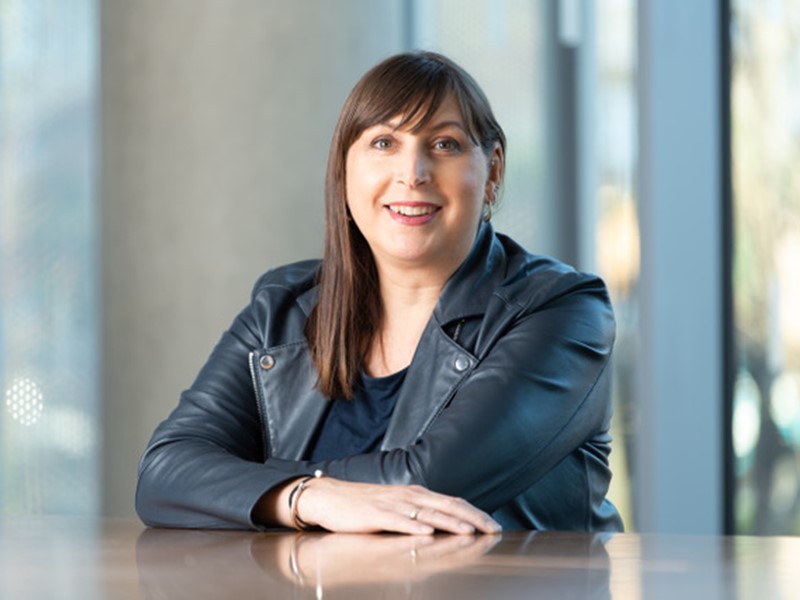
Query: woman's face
point(417, 197)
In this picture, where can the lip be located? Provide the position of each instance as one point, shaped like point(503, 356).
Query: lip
point(413, 219)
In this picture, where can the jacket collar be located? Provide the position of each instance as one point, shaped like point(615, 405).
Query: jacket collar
point(308, 299)
point(468, 290)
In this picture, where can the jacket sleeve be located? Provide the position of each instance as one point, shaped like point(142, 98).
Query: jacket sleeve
point(537, 394)
point(205, 466)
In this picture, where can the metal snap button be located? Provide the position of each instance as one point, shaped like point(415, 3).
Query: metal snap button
point(462, 363)
point(267, 362)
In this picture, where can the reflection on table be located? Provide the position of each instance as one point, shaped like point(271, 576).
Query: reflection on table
point(369, 566)
point(101, 558)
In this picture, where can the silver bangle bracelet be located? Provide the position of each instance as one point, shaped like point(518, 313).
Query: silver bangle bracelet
point(294, 498)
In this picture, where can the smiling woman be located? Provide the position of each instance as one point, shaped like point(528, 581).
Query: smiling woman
point(417, 194)
point(427, 374)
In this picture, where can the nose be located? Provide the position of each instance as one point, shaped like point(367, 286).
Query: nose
point(413, 167)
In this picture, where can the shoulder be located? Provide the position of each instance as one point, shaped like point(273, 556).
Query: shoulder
point(294, 279)
point(554, 298)
point(534, 281)
point(502, 283)
point(532, 302)
point(282, 299)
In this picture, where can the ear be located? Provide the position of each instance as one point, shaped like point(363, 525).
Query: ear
point(496, 169)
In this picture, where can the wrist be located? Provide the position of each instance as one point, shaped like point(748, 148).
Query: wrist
point(295, 495)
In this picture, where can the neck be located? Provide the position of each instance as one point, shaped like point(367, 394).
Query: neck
point(408, 300)
point(404, 292)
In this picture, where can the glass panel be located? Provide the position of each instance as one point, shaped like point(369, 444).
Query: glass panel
point(48, 304)
point(617, 235)
point(765, 41)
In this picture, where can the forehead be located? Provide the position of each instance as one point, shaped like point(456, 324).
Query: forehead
point(448, 110)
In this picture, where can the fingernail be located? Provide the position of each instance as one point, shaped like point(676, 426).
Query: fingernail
point(466, 528)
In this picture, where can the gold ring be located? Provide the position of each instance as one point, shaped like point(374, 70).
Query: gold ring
point(414, 513)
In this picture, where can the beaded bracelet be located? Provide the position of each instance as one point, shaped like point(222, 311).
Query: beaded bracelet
point(294, 498)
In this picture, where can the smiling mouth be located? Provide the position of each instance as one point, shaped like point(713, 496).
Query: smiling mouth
point(413, 211)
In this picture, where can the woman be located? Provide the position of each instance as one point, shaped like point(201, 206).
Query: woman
point(427, 374)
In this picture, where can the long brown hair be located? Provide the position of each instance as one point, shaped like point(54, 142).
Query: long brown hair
point(349, 312)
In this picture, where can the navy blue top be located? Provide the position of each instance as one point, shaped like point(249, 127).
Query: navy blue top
point(357, 426)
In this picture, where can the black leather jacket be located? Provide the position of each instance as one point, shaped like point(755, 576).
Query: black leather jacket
point(506, 402)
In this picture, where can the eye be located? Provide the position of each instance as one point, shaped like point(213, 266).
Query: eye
point(447, 145)
point(381, 143)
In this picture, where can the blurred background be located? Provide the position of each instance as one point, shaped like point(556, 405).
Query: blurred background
point(156, 157)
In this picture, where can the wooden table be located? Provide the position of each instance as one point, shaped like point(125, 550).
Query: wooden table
point(101, 558)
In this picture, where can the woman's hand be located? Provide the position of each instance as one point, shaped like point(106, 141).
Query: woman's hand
point(346, 506)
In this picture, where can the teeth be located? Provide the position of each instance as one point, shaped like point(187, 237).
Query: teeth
point(412, 211)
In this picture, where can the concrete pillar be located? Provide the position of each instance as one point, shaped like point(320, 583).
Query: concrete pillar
point(217, 118)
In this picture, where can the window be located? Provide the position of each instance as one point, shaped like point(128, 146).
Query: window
point(48, 294)
point(765, 134)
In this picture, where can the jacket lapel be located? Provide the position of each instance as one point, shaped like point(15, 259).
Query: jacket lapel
point(438, 367)
point(290, 403)
point(470, 288)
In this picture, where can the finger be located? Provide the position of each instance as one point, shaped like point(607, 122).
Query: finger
point(445, 522)
point(464, 511)
point(403, 523)
point(421, 520)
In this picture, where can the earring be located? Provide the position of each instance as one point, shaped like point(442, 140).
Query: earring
point(490, 200)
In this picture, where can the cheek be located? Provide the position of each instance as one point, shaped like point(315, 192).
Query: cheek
point(472, 183)
point(360, 182)
point(352, 182)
